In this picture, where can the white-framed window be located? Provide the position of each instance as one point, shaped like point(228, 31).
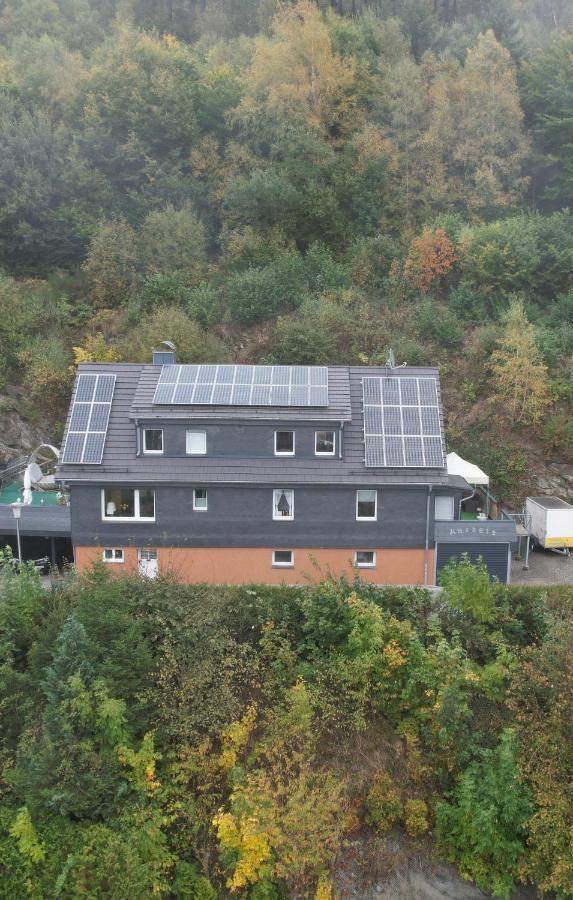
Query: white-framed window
point(365, 559)
point(200, 499)
point(127, 504)
point(148, 562)
point(324, 443)
point(367, 505)
point(283, 505)
point(284, 443)
point(283, 559)
point(153, 440)
point(113, 555)
point(196, 443)
point(443, 508)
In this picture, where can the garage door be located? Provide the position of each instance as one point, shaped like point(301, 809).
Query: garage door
point(495, 557)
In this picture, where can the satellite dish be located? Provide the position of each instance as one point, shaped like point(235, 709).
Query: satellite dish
point(51, 447)
point(391, 361)
point(35, 472)
point(169, 344)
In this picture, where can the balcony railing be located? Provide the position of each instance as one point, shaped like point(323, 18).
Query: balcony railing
point(522, 519)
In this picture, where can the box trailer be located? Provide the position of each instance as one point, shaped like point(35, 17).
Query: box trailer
point(551, 523)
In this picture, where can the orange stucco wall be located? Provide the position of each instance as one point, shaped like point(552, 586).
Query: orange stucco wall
point(220, 565)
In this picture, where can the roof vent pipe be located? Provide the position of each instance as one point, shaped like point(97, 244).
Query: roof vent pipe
point(165, 355)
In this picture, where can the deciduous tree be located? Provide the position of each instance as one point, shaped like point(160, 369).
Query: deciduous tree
point(112, 264)
point(296, 75)
point(491, 144)
point(521, 382)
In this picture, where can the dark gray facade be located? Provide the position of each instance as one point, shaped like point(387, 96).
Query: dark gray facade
point(496, 557)
point(240, 470)
point(242, 516)
point(487, 541)
point(244, 440)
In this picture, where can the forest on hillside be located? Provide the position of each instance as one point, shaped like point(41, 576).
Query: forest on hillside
point(187, 742)
point(297, 183)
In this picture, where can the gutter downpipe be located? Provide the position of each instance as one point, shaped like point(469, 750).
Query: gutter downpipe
point(427, 545)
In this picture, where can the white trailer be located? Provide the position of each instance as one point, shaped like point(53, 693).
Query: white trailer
point(551, 523)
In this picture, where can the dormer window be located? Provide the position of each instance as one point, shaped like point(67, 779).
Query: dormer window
point(196, 443)
point(153, 440)
point(284, 443)
point(324, 443)
point(283, 505)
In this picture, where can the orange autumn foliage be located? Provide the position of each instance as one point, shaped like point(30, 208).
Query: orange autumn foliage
point(431, 257)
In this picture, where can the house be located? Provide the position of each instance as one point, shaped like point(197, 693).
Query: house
point(239, 473)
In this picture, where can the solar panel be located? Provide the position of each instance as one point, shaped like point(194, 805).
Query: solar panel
point(228, 385)
point(89, 419)
point(402, 425)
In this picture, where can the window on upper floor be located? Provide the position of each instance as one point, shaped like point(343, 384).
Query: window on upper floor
point(283, 558)
point(284, 443)
point(196, 443)
point(366, 505)
point(443, 508)
point(200, 499)
point(283, 504)
point(113, 555)
point(128, 503)
point(153, 440)
point(365, 559)
point(324, 443)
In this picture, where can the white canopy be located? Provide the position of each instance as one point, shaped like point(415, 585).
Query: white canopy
point(472, 474)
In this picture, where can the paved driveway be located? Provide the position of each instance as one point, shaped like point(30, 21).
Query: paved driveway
point(545, 567)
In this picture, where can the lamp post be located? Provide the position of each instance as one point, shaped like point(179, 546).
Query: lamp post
point(17, 512)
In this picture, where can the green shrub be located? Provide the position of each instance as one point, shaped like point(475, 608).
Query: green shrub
point(188, 884)
point(483, 828)
point(321, 330)
point(438, 324)
point(558, 431)
point(383, 804)
point(467, 302)
point(163, 290)
point(416, 817)
point(256, 294)
point(467, 587)
point(204, 304)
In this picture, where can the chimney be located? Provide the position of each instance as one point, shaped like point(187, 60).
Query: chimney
point(166, 355)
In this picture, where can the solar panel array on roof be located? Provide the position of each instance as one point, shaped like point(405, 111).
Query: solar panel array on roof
point(402, 422)
point(89, 419)
point(243, 385)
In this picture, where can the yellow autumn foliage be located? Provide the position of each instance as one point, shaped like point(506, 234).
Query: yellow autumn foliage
point(296, 75)
point(235, 738)
point(253, 846)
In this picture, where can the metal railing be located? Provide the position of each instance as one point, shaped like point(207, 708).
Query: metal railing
point(11, 470)
point(522, 518)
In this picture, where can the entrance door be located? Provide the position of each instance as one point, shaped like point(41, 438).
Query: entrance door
point(148, 565)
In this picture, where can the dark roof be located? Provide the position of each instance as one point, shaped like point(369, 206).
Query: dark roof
point(42, 521)
point(458, 481)
point(338, 409)
point(135, 387)
point(551, 502)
